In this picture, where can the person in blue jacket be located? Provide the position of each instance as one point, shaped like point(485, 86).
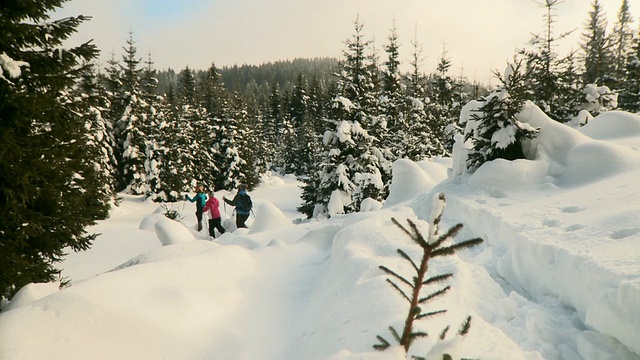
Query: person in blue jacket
point(242, 202)
point(200, 199)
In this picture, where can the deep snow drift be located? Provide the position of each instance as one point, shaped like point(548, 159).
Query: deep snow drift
point(557, 277)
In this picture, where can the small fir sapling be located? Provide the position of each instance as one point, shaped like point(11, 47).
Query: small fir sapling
point(433, 246)
point(172, 213)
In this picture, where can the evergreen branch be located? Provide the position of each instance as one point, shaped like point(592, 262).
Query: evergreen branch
point(395, 334)
point(418, 238)
point(437, 279)
point(430, 314)
point(399, 290)
point(416, 335)
point(383, 345)
point(406, 257)
point(392, 273)
point(453, 231)
point(436, 222)
point(450, 250)
point(401, 227)
point(434, 295)
point(465, 327)
point(444, 333)
point(419, 334)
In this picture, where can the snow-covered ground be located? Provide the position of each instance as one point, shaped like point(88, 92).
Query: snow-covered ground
point(557, 277)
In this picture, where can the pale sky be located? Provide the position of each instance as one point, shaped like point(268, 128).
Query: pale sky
point(480, 35)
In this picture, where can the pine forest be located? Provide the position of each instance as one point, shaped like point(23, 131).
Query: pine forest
point(75, 134)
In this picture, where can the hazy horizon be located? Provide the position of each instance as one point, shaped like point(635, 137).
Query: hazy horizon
point(478, 35)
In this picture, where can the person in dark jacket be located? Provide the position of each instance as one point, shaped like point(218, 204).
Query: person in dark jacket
point(243, 204)
point(213, 205)
point(200, 199)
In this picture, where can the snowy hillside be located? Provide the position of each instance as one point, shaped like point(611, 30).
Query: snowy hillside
point(557, 277)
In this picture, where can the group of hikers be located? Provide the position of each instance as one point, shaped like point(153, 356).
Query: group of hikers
point(242, 203)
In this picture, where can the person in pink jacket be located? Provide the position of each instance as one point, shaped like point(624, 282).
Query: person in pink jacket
point(215, 222)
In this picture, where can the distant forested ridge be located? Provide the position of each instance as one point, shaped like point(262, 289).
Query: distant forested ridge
point(256, 79)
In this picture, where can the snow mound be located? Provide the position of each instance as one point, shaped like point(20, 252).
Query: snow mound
point(149, 221)
point(612, 125)
point(172, 232)
point(268, 217)
point(409, 181)
point(572, 157)
point(31, 293)
point(370, 204)
point(185, 249)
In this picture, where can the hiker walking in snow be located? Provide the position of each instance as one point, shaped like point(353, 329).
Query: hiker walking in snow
point(200, 199)
point(243, 204)
point(213, 205)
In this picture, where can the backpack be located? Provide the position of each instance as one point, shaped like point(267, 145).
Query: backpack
point(244, 204)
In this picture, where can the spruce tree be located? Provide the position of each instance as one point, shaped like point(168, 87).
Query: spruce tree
point(133, 125)
point(297, 156)
point(418, 141)
point(155, 109)
point(236, 148)
point(100, 141)
point(630, 93)
point(46, 202)
point(550, 88)
point(214, 102)
point(621, 41)
point(392, 100)
point(494, 131)
point(444, 106)
point(596, 47)
point(351, 166)
point(568, 95)
point(181, 155)
point(432, 246)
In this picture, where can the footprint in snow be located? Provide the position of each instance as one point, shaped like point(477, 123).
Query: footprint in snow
point(623, 233)
point(573, 209)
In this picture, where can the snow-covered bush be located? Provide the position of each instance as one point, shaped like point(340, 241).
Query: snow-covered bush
point(599, 99)
point(491, 124)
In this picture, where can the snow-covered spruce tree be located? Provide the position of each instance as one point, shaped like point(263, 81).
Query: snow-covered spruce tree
point(621, 41)
point(99, 134)
point(550, 88)
point(299, 147)
point(392, 97)
point(444, 106)
point(315, 120)
point(493, 129)
point(274, 127)
point(598, 99)
point(629, 98)
point(234, 156)
point(46, 183)
point(156, 112)
point(351, 166)
point(417, 141)
point(181, 155)
point(134, 124)
point(214, 102)
point(596, 49)
point(435, 245)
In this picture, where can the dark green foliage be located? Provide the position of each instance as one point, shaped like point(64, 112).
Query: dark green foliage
point(430, 246)
point(596, 49)
point(49, 191)
point(496, 116)
point(552, 81)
